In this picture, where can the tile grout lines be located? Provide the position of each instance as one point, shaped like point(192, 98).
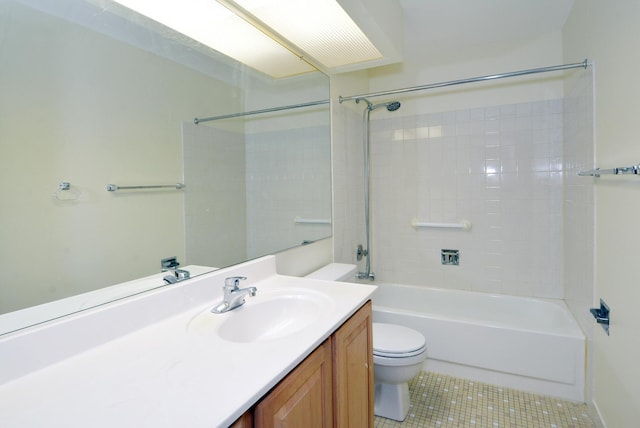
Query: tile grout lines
point(442, 401)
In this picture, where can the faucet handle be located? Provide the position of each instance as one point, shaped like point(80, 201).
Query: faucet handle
point(233, 281)
point(170, 263)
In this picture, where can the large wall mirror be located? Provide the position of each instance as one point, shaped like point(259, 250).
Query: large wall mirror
point(93, 96)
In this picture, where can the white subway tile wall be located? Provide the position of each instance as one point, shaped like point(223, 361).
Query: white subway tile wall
point(579, 240)
point(266, 179)
point(287, 177)
point(213, 171)
point(501, 168)
point(347, 162)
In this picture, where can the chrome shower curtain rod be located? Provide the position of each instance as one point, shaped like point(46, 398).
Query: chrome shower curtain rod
point(583, 64)
point(264, 110)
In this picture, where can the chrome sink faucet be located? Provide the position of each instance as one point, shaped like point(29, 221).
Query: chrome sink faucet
point(233, 294)
point(171, 264)
point(178, 275)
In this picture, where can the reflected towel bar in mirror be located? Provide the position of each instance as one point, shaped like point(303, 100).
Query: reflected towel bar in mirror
point(300, 220)
point(115, 187)
point(464, 224)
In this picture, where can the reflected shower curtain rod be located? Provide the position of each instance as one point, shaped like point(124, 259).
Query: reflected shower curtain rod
point(264, 110)
point(583, 64)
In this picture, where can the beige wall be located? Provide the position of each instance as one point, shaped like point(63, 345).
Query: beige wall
point(608, 34)
point(77, 106)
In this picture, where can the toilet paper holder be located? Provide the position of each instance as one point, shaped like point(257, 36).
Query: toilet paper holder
point(601, 315)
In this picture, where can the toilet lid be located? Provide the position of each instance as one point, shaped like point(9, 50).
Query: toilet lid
point(396, 340)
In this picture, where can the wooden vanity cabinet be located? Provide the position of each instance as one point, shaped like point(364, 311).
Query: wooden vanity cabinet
point(244, 421)
point(303, 398)
point(353, 371)
point(332, 387)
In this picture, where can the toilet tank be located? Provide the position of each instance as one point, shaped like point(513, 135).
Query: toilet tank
point(341, 272)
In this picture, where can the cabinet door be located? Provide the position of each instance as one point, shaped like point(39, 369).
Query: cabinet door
point(244, 421)
point(353, 371)
point(303, 398)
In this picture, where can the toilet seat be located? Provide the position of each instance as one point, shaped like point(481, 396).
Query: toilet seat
point(396, 341)
point(399, 355)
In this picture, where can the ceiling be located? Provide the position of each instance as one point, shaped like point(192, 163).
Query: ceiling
point(439, 27)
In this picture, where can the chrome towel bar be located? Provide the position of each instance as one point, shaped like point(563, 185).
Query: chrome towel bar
point(115, 187)
point(626, 170)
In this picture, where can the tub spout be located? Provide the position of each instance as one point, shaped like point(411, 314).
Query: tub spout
point(367, 275)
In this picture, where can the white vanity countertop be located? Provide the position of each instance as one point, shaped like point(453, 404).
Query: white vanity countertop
point(16, 320)
point(165, 375)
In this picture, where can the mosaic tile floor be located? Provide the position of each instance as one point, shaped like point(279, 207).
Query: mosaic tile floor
point(442, 402)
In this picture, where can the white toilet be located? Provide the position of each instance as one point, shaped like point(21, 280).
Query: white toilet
point(398, 353)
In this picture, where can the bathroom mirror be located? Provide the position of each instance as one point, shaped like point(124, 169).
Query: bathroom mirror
point(93, 96)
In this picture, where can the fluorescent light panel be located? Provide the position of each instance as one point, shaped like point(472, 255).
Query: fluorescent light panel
point(213, 25)
point(321, 29)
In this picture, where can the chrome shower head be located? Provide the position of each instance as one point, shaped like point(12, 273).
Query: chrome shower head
point(391, 106)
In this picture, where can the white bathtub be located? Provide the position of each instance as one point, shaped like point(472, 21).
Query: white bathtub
point(524, 343)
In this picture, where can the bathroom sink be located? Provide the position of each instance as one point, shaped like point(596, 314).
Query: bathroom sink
point(270, 315)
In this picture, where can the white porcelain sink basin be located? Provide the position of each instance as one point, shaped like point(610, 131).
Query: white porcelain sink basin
point(270, 315)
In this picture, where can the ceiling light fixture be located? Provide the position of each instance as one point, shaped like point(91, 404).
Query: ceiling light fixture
point(319, 31)
point(279, 37)
point(215, 26)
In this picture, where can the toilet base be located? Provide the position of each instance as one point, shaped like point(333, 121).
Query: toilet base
point(392, 400)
